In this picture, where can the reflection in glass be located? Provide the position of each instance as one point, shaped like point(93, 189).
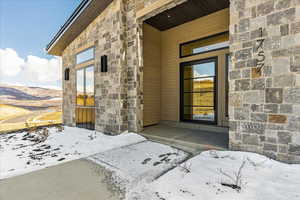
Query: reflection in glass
point(205, 44)
point(199, 113)
point(85, 110)
point(199, 85)
point(85, 55)
point(89, 86)
point(198, 91)
point(80, 87)
point(199, 70)
point(199, 99)
point(85, 117)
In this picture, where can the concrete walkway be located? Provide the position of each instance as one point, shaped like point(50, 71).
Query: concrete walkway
point(95, 177)
point(75, 180)
point(191, 140)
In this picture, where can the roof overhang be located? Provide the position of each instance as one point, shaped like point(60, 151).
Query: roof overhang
point(186, 12)
point(83, 15)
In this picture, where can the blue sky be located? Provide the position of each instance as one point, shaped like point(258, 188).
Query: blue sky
point(26, 27)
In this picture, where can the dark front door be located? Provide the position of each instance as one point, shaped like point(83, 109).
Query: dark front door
point(85, 98)
point(198, 91)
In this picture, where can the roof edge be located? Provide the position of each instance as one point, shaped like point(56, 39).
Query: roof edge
point(80, 8)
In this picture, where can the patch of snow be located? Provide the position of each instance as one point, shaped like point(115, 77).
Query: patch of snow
point(142, 162)
point(56, 99)
point(19, 155)
point(202, 179)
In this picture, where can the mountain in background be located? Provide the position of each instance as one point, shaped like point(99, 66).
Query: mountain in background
point(28, 93)
point(23, 107)
point(32, 98)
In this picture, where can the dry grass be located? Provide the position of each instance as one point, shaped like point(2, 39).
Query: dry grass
point(56, 116)
point(44, 119)
point(9, 112)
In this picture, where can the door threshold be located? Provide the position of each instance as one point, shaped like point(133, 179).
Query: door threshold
point(196, 126)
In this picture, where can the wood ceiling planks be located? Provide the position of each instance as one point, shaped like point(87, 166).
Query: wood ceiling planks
point(186, 12)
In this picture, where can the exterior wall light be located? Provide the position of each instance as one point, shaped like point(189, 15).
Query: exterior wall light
point(67, 74)
point(104, 63)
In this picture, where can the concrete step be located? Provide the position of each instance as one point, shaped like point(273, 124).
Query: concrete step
point(190, 147)
point(195, 126)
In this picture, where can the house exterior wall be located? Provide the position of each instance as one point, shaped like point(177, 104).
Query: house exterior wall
point(170, 62)
point(265, 104)
point(152, 75)
point(106, 34)
point(161, 62)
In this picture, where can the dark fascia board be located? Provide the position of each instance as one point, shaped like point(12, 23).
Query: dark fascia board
point(83, 15)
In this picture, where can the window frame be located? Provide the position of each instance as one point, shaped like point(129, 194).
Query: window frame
point(227, 65)
point(204, 38)
point(91, 47)
point(84, 84)
point(215, 92)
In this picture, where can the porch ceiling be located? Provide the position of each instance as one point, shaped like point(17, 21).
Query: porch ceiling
point(188, 11)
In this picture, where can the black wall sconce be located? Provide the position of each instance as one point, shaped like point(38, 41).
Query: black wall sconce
point(67, 74)
point(104, 63)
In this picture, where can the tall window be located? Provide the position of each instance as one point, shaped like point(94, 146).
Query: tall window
point(85, 55)
point(85, 98)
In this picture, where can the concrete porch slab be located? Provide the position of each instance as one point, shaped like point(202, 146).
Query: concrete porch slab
point(74, 180)
point(191, 140)
point(143, 161)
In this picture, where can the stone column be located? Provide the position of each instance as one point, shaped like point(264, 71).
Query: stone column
point(69, 90)
point(264, 99)
point(134, 68)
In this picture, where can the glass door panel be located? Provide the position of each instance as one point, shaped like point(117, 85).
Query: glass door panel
point(199, 85)
point(80, 87)
point(89, 86)
point(85, 98)
point(198, 89)
point(199, 99)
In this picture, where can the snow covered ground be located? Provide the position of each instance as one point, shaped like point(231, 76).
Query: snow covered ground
point(139, 163)
point(212, 176)
point(25, 152)
point(152, 171)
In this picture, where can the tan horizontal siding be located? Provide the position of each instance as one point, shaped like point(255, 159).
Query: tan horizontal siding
point(152, 75)
point(170, 77)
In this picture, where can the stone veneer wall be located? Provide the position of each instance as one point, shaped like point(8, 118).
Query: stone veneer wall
point(134, 68)
point(134, 57)
point(119, 93)
point(265, 105)
point(107, 34)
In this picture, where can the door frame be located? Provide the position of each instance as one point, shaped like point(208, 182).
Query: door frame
point(84, 90)
point(181, 78)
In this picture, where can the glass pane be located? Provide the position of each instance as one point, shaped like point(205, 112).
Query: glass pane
point(199, 90)
point(85, 55)
point(199, 113)
point(199, 70)
point(89, 84)
point(199, 85)
point(80, 87)
point(205, 44)
point(199, 99)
